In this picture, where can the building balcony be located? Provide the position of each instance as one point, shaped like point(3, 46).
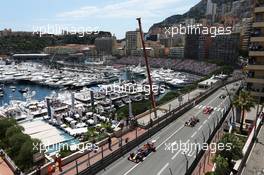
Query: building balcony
point(259, 9)
point(254, 67)
point(255, 80)
point(258, 24)
point(256, 53)
point(257, 39)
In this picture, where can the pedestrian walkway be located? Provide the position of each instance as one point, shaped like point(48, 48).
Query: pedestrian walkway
point(89, 159)
point(255, 164)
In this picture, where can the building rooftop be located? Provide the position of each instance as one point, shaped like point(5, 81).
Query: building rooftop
point(208, 81)
point(32, 54)
point(4, 168)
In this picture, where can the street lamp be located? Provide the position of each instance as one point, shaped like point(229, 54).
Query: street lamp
point(203, 136)
point(218, 118)
point(255, 124)
point(229, 97)
point(196, 147)
point(214, 122)
point(209, 129)
point(187, 161)
point(180, 99)
point(170, 171)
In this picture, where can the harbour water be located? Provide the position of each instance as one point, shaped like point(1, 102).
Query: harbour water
point(13, 94)
point(42, 91)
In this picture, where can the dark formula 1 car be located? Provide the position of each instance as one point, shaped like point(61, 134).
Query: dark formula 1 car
point(192, 122)
point(142, 152)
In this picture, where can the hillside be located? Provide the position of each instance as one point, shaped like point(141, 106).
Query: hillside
point(198, 11)
point(233, 8)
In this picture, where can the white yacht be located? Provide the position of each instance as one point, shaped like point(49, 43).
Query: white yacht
point(176, 82)
point(139, 70)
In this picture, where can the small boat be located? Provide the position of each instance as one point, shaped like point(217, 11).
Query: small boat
point(1, 94)
point(119, 104)
point(126, 100)
point(23, 90)
point(13, 88)
point(1, 88)
point(136, 97)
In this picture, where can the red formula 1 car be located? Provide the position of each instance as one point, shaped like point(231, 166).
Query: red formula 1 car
point(208, 110)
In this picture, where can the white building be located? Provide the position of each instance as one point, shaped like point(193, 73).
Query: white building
point(209, 83)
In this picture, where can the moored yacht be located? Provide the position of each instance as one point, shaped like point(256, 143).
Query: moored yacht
point(23, 90)
point(136, 97)
point(13, 88)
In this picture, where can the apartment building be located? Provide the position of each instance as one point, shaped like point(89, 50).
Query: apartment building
point(225, 48)
point(133, 41)
point(255, 67)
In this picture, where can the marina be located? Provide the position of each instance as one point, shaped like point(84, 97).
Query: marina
point(76, 78)
point(64, 77)
point(62, 105)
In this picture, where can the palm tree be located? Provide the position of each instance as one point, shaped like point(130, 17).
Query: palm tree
point(244, 101)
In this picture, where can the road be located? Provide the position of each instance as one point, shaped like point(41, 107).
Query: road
point(170, 106)
point(164, 159)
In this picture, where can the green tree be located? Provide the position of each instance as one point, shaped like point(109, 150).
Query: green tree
point(64, 152)
point(4, 125)
point(244, 101)
point(15, 142)
point(221, 165)
point(232, 148)
point(13, 130)
point(24, 158)
point(90, 134)
point(108, 127)
point(120, 116)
